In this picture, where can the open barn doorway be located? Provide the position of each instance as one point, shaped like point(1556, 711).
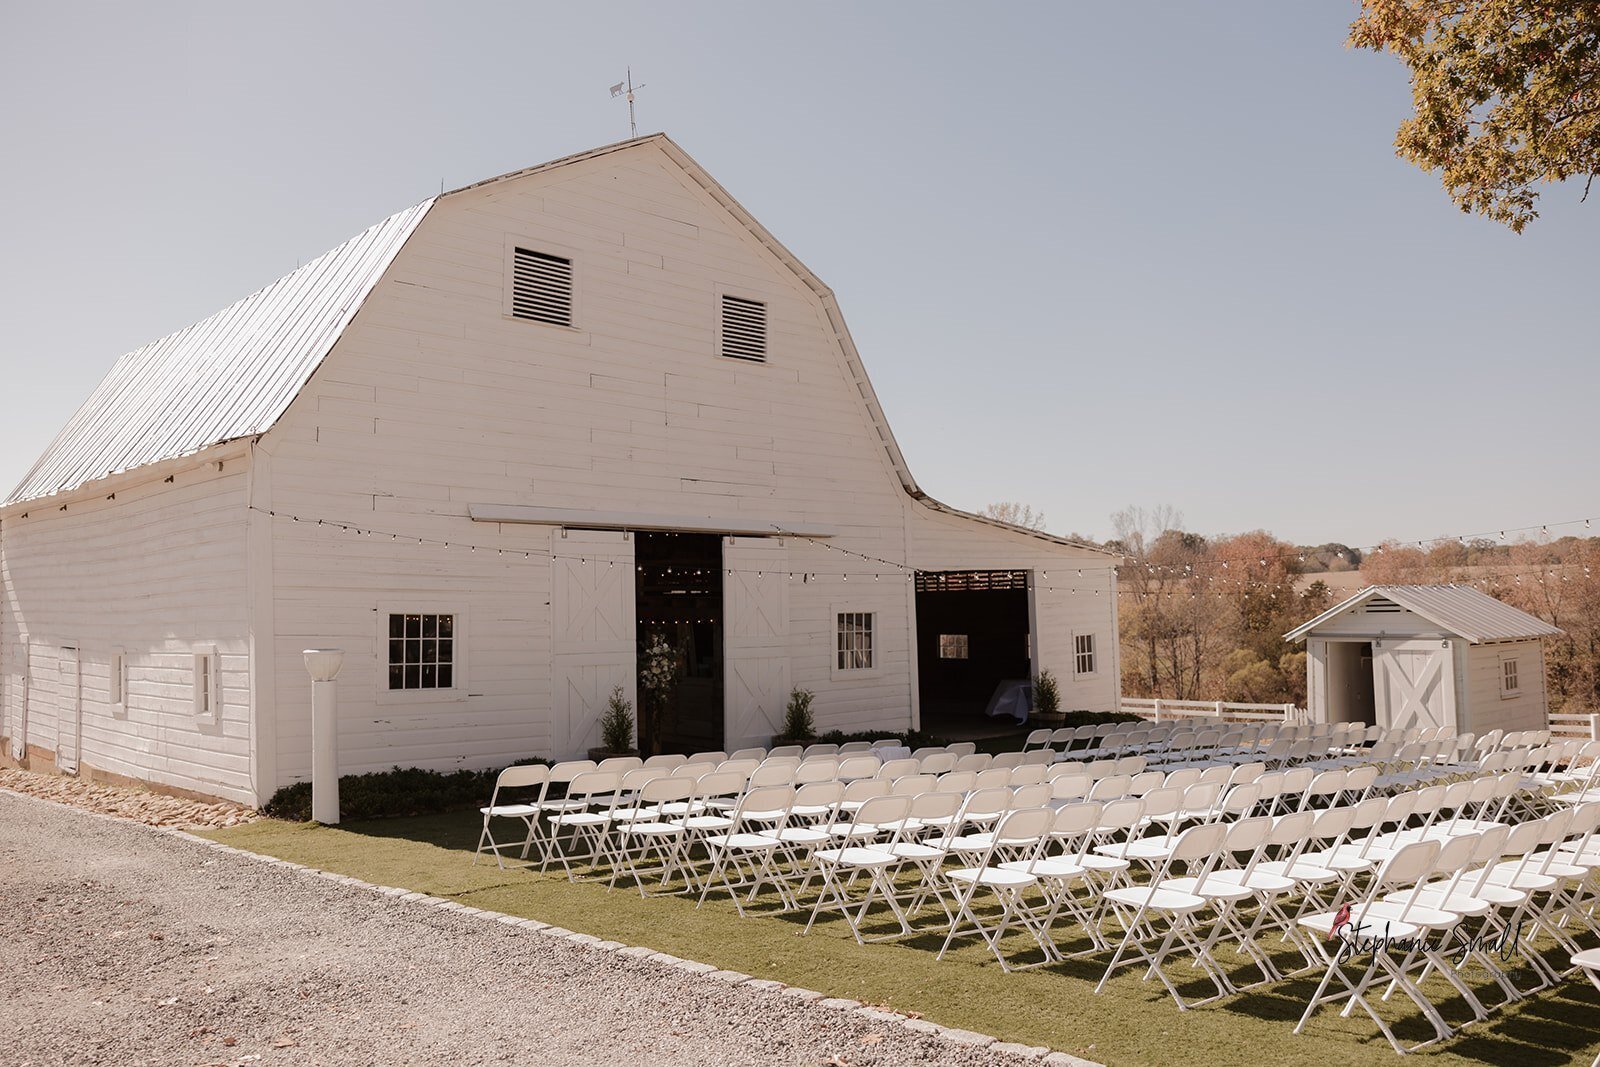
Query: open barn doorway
point(974, 650)
point(678, 596)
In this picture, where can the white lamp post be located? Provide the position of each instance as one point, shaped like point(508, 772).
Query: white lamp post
point(323, 665)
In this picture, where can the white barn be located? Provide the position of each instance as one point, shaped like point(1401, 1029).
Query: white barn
point(1426, 655)
point(488, 446)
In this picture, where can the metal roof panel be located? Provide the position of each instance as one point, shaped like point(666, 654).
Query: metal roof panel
point(231, 375)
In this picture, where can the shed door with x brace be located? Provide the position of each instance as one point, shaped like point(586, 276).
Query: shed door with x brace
point(1414, 683)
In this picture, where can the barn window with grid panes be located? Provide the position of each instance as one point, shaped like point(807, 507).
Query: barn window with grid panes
point(1510, 681)
point(855, 641)
point(421, 651)
point(744, 329)
point(952, 646)
point(1083, 653)
point(541, 287)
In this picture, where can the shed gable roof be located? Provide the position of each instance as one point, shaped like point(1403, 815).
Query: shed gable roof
point(1459, 609)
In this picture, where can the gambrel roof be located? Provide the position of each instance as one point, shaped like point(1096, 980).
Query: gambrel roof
point(1457, 609)
point(234, 374)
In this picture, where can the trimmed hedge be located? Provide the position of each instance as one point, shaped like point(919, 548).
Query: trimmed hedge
point(393, 793)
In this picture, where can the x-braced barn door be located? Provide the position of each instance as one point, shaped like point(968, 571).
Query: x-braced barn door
point(1415, 684)
point(593, 644)
point(755, 640)
point(69, 710)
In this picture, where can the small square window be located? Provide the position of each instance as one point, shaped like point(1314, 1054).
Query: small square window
point(855, 641)
point(952, 646)
point(421, 651)
point(1083, 655)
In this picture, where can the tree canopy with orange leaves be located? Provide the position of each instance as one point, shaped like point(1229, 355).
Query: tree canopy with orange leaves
point(1506, 94)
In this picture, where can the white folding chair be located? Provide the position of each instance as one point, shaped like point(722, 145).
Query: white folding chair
point(513, 778)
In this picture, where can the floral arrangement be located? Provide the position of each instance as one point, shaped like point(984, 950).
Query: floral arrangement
point(659, 672)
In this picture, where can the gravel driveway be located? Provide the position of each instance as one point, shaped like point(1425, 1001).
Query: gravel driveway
point(126, 945)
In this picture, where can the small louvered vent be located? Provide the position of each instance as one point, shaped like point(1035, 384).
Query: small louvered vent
point(1383, 606)
point(744, 328)
point(541, 287)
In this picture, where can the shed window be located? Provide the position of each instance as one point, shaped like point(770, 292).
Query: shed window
point(422, 651)
point(744, 328)
point(952, 646)
point(855, 641)
point(541, 287)
point(1510, 683)
point(1083, 653)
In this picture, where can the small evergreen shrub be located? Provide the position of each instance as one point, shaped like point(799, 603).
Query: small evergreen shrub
point(616, 725)
point(799, 725)
point(1046, 696)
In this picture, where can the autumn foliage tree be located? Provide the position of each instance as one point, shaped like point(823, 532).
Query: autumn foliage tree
point(1505, 94)
point(1203, 618)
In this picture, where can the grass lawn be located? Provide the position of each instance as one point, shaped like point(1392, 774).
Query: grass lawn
point(1133, 1022)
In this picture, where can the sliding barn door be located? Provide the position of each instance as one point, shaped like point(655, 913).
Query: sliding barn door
point(593, 645)
point(1414, 684)
point(755, 640)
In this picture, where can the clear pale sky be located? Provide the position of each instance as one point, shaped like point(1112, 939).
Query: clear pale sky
point(1092, 254)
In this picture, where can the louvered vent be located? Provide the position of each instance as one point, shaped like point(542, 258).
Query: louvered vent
point(744, 328)
point(541, 287)
point(1383, 606)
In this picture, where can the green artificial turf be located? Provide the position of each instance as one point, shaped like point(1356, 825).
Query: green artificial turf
point(1132, 1022)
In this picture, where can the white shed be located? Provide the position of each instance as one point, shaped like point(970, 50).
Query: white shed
point(492, 447)
point(1426, 655)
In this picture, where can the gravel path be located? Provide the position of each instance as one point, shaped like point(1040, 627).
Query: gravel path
point(126, 945)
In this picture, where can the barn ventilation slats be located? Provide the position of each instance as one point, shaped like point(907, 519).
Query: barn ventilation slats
point(744, 328)
point(541, 287)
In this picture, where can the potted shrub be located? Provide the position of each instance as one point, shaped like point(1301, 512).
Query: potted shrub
point(1047, 700)
point(616, 728)
point(799, 727)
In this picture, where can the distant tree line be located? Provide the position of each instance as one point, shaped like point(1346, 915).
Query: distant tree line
point(1203, 617)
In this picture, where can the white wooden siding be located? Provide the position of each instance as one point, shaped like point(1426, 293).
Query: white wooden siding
point(435, 399)
point(157, 572)
point(1487, 709)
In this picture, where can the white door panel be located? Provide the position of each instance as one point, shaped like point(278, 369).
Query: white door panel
point(755, 640)
point(69, 710)
point(593, 643)
point(1415, 684)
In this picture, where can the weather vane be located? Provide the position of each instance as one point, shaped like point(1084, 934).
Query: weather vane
point(627, 88)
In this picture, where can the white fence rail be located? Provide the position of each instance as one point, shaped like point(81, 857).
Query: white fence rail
point(1565, 725)
point(1162, 710)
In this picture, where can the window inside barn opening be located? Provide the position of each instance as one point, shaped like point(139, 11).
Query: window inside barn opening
point(541, 287)
point(422, 651)
point(953, 646)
